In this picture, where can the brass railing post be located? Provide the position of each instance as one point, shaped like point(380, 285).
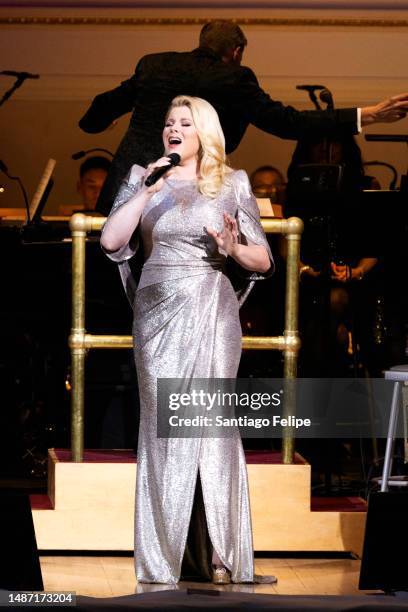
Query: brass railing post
point(291, 334)
point(78, 232)
point(292, 228)
point(80, 341)
point(80, 224)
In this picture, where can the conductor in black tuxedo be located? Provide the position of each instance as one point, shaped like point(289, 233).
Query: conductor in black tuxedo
point(213, 71)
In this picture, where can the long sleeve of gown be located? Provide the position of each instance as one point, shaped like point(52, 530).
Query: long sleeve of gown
point(130, 186)
point(250, 232)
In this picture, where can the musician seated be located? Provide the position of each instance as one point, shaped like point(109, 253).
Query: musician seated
point(268, 182)
point(92, 175)
point(339, 256)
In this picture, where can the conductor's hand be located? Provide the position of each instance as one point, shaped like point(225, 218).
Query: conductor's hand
point(387, 111)
point(162, 161)
point(226, 240)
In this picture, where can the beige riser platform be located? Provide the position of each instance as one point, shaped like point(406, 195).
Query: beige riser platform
point(94, 504)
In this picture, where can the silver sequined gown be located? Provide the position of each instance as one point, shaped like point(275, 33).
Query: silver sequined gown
point(186, 324)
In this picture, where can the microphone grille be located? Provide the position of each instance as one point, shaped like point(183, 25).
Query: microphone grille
point(326, 96)
point(175, 158)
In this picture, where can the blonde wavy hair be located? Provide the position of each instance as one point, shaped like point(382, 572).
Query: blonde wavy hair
point(213, 167)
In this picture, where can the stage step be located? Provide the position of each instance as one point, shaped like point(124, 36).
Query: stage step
point(90, 505)
point(338, 504)
point(318, 504)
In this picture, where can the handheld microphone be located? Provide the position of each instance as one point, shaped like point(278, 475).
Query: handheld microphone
point(158, 172)
point(20, 75)
point(327, 97)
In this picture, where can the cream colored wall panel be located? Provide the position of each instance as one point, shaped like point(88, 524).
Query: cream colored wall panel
point(88, 50)
point(113, 52)
point(34, 131)
point(346, 90)
point(360, 64)
point(348, 52)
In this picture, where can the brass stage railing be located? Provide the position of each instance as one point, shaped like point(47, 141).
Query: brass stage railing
point(80, 341)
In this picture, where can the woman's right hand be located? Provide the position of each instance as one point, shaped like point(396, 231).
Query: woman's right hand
point(162, 161)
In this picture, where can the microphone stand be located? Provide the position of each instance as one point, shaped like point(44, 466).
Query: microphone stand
point(311, 91)
point(327, 221)
point(326, 96)
point(18, 82)
point(3, 168)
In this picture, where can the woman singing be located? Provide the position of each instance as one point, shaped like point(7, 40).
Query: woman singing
point(186, 325)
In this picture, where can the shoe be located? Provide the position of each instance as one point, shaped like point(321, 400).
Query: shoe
point(220, 575)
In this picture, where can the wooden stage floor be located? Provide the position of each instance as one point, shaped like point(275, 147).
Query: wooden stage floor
point(114, 576)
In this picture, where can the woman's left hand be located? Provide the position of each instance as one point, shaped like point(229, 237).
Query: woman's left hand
point(228, 238)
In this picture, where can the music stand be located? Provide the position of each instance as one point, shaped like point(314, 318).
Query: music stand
point(41, 194)
point(35, 229)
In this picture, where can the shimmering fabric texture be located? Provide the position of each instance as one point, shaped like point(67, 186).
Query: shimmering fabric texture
point(186, 324)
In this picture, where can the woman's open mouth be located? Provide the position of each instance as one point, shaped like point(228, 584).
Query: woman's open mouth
point(174, 141)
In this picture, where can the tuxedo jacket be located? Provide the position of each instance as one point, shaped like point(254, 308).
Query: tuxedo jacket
point(233, 90)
